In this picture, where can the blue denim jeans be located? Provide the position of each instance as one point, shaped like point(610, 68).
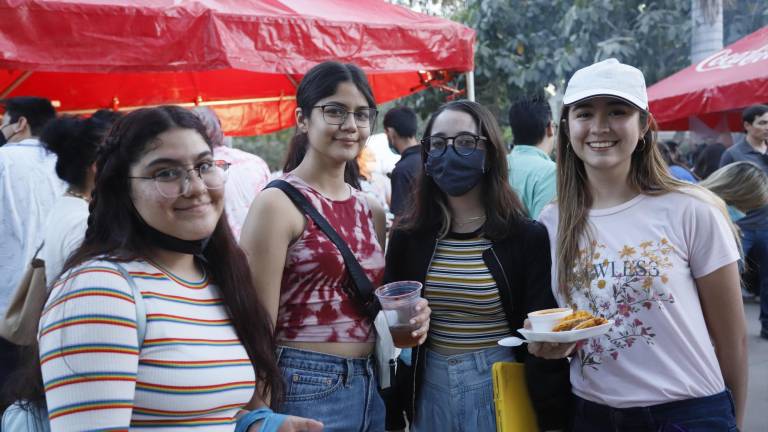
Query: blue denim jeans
point(707, 414)
point(457, 391)
point(342, 393)
point(755, 244)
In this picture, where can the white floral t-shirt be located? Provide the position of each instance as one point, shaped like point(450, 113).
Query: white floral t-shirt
point(646, 254)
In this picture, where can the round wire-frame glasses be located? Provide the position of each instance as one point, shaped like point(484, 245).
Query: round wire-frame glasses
point(174, 182)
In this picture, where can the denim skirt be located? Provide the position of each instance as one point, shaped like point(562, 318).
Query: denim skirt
point(457, 391)
point(340, 392)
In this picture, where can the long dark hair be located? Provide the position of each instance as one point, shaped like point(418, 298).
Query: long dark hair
point(501, 203)
point(320, 82)
point(114, 232)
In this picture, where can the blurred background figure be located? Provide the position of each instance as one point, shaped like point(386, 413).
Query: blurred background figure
point(373, 182)
point(28, 189)
point(247, 175)
point(400, 126)
point(754, 146)
point(707, 160)
point(76, 142)
point(677, 166)
point(532, 173)
point(744, 187)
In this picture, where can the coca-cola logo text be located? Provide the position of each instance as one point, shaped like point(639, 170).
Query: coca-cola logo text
point(727, 59)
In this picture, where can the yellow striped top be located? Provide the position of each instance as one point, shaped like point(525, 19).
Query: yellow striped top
point(466, 309)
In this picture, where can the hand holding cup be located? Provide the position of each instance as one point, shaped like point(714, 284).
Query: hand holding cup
point(406, 312)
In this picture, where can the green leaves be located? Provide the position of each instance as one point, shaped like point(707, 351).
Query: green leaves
point(524, 46)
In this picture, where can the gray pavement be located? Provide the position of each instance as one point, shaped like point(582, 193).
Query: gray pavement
point(757, 399)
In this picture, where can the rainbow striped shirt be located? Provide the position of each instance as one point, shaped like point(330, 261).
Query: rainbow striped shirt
point(191, 372)
point(466, 309)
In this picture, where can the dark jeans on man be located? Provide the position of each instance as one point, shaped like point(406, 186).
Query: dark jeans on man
point(755, 244)
point(707, 414)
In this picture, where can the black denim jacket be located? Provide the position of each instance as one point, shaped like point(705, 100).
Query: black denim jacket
point(520, 264)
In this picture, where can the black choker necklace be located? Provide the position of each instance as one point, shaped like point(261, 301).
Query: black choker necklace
point(174, 244)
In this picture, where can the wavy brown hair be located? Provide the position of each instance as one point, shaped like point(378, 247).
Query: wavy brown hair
point(501, 203)
point(648, 174)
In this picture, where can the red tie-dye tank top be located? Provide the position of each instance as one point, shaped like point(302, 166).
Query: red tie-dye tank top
point(313, 304)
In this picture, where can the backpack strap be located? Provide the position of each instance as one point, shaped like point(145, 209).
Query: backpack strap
point(363, 287)
point(138, 299)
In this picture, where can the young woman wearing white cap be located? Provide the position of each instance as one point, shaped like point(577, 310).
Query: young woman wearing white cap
point(655, 255)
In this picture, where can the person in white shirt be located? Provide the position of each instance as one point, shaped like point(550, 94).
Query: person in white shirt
point(28, 189)
point(248, 173)
point(75, 142)
point(655, 255)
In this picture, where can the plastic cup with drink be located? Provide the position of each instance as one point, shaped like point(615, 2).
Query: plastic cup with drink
point(398, 303)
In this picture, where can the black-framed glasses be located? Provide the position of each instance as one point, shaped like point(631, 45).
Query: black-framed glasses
point(336, 115)
point(174, 182)
point(464, 144)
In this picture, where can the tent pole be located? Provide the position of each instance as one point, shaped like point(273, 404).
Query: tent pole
point(17, 82)
point(471, 85)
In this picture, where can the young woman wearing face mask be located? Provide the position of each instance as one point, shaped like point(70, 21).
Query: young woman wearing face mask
point(207, 350)
point(484, 266)
point(325, 338)
point(654, 254)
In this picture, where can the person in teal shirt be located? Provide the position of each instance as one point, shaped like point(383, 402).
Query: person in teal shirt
point(531, 170)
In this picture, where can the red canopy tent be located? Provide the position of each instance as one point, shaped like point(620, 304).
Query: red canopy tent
point(242, 58)
point(719, 86)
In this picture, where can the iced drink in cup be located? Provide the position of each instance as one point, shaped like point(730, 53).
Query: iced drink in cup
point(398, 302)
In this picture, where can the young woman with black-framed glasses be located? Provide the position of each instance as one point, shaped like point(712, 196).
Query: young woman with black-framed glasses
point(484, 266)
point(325, 338)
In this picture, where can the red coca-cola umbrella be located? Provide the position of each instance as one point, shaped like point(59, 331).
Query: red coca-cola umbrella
point(716, 89)
point(242, 58)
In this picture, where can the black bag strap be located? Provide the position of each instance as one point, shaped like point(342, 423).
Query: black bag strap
point(364, 288)
point(39, 248)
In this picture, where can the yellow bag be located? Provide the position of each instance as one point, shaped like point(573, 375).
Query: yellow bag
point(514, 411)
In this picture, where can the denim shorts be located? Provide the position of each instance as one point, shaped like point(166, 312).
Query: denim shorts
point(340, 392)
point(457, 391)
point(714, 413)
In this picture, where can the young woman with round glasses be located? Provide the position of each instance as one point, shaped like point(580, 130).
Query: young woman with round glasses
point(484, 266)
point(156, 225)
point(655, 255)
point(325, 338)
point(174, 181)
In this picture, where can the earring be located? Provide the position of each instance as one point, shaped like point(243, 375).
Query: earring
point(641, 147)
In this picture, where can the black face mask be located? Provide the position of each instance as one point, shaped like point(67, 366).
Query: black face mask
point(167, 242)
point(455, 174)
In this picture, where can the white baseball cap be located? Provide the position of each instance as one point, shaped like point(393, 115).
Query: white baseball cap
point(608, 78)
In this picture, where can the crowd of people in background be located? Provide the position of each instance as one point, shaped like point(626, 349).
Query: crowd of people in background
point(184, 289)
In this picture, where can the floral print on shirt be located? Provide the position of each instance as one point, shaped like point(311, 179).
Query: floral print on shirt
point(621, 289)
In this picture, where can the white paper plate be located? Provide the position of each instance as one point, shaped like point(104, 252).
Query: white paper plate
point(566, 336)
